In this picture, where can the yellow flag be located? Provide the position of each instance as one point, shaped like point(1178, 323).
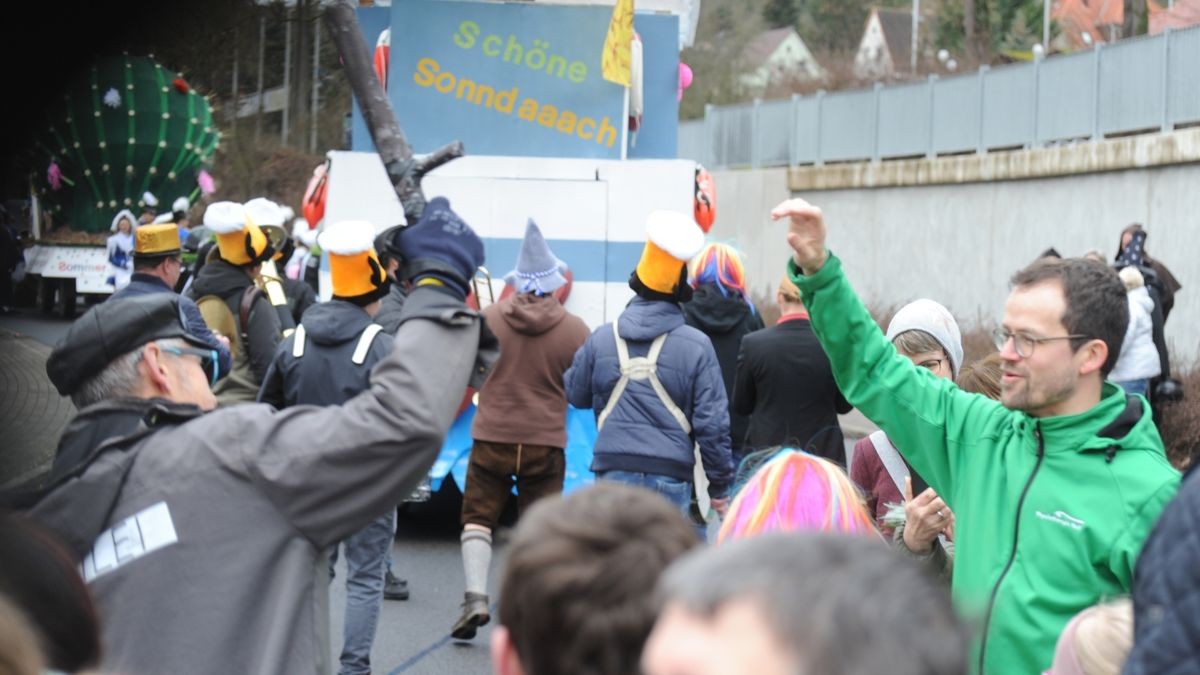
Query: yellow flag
point(614, 62)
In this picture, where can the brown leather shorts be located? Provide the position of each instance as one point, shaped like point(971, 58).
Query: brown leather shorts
point(494, 468)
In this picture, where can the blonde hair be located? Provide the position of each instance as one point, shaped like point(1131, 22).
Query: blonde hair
point(982, 376)
point(1131, 277)
point(789, 290)
point(1104, 636)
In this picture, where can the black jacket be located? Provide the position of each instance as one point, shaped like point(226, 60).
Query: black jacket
point(325, 373)
point(785, 384)
point(1166, 589)
point(227, 281)
point(725, 320)
point(300, 297)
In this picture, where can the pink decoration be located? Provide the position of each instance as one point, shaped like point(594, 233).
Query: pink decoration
point(685, 78)
point(55, 176)
point(206, 182)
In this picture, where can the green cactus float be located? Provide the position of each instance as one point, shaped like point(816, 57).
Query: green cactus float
point(124, 127)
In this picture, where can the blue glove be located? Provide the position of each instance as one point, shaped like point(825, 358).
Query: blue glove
point(441, 245)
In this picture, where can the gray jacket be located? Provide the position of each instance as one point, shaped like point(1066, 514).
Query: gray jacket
point(390, 308)
point(200, 534)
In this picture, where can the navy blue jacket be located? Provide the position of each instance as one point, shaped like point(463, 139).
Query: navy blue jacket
point(1166, 589)
point(325, 374)
point(145, 284)
point(640, 434)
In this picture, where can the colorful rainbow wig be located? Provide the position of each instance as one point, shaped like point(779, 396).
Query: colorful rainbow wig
point(721, 266)
point(795, 491)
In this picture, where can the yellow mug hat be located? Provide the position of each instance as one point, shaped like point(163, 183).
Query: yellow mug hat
point(357, 275)
point(240, 242)
point(156, 241)
point(269, 217)
point(672, 239)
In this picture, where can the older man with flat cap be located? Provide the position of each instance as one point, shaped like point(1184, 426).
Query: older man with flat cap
point(201, 534)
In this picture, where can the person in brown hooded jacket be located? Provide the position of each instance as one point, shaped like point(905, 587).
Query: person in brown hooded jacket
point(520, 425)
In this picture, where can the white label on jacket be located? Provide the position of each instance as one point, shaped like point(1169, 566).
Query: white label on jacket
point(142, 533)
point(1062, 518)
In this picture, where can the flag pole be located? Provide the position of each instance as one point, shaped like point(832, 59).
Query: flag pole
point(625, 126)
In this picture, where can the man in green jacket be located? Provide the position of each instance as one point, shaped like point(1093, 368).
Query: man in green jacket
point(1055, 487)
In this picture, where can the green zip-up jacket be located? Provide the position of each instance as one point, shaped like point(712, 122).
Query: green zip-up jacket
point(1051, 513)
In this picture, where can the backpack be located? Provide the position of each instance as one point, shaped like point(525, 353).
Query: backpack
point(216, 314)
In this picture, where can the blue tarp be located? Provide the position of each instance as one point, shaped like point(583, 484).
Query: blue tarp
point(581, 438)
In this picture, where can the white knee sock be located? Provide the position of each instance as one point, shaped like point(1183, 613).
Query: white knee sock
point(477, 558)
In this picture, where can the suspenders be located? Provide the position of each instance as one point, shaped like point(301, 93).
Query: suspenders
point(642, 368)
point(360, 350)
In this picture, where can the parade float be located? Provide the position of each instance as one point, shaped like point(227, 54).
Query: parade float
point(127, 133)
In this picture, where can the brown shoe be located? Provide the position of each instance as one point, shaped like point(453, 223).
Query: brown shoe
point(475, 614)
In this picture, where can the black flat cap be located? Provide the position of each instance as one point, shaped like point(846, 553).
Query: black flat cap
point(111, 329)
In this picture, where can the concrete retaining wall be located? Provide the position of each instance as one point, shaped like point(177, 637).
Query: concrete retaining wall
point(960, 242)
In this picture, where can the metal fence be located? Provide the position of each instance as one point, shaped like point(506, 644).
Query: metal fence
point(1133, 86)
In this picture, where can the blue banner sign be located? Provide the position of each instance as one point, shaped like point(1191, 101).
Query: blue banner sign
point(505, 79)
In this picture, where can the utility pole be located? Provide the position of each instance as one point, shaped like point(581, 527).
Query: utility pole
point(262, 48)
point(235, 94)
point(1046, 26)
point(916, 18)
point(287, 74)
point(316, 90)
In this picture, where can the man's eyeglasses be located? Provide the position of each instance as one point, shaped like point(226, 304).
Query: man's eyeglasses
point(1024, 342)
point(208, 359)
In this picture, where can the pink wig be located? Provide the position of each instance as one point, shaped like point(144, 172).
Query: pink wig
point(721, 265)
point(795, 491)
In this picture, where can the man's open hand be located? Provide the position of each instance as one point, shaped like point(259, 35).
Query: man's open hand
point(806, 233)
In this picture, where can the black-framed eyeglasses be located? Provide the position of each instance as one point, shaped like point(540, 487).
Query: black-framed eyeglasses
point(931, 364)
point(1025, 343)
point(208, 359)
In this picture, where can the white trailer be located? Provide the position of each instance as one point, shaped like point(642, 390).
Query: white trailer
point(591, 211)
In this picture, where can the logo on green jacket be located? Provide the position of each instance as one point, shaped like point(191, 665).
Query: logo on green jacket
point(1062, 518)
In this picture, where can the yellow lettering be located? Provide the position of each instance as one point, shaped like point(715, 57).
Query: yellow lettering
point(468, 31)
point(585, 122)
point(566, 122)
point(426, 69)
point(505, 105)
point(562, 65)
point(448, 79)
point(479, 93)
point(548, 115)
point(577, 71)
point(528, 111)
point(463, 86)
point(513, 45)
point(491, 40)
point(606, 127)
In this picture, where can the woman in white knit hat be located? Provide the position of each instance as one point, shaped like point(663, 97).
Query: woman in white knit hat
point(928, 335)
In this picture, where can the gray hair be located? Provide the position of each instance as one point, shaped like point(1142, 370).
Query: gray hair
point(119, 379)
point(843, 605)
